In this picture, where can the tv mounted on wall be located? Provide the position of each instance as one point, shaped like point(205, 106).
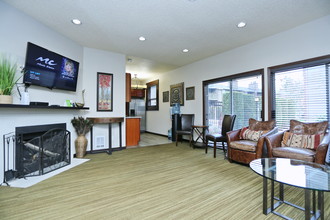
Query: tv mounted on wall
point(49, 69)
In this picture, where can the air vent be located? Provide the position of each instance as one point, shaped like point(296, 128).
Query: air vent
point(100, 142)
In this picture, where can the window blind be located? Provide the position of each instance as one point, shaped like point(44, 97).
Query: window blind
point(301, 94)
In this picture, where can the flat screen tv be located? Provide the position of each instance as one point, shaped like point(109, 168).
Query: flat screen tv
point(49, 69)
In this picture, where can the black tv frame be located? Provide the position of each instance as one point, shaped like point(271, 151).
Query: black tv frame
point(46, 68)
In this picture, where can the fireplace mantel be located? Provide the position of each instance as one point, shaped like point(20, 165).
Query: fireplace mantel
point(41, 107)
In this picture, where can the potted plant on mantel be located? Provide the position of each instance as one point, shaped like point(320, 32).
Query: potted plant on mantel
point(82, 127)
point(8, 71)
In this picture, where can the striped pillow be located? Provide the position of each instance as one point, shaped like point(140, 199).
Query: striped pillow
point(302, 140)
point(247, 134)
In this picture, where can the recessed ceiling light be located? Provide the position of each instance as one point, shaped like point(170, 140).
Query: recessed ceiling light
point(76, 21)
point(185, 50)
point(142, 38)
point(241, 24)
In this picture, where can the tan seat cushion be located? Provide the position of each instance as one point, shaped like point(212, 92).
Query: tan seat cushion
point(294, 153)
point(246, 145)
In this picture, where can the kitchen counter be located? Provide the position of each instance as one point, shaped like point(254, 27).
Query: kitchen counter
point(133, 116)
point(133, 130)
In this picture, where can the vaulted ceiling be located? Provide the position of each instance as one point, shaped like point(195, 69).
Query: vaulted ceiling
point(204, 27)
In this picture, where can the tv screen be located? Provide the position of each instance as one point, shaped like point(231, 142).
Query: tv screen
point(48, 69)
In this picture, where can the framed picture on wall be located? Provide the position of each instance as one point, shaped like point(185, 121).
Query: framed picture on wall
point(104, 91)
point(190, 93)
point(176, 94)
point(166, 96)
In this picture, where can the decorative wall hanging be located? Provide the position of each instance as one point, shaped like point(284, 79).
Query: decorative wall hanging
point(177, 94)
point(104, 91)
point(190, 93)
point(166, 96)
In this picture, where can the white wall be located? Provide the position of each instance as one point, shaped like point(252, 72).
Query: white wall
point(303, 42)
point(105, 62)
point(16, 30)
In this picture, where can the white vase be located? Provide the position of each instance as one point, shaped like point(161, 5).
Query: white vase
point(6, 99)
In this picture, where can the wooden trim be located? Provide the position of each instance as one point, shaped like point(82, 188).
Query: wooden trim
point(128, 87)
point(149, 84)
point(318, 60)
point(234, 76)
point(203, 95)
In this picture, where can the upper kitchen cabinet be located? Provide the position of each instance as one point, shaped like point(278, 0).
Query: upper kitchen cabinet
point(138, 93)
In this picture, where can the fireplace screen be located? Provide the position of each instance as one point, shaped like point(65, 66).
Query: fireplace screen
point(42, 153)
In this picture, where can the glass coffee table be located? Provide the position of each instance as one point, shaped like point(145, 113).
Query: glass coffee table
point(311, 177)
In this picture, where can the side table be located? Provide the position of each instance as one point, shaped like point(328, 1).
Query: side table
point(109, 121)
point(200, 130)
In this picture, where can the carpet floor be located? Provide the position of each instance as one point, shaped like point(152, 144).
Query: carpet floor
point(155, 182)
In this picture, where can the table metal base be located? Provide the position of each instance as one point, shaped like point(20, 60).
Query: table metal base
point(200, 130)
point(314, 212)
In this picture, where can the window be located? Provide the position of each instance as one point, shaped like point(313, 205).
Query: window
point(152, 95)
point(300, 91)
point(239, 94)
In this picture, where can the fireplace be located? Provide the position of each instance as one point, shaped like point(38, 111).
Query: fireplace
point(41, 149)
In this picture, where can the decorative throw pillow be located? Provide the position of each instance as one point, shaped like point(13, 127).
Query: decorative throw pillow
point(261, 125)
point(302, 140)
point(247, 134)
point(298, 127)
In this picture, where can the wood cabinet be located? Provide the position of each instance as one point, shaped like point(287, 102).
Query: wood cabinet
point(132, 131)
point(138, 93)
point(128, 87)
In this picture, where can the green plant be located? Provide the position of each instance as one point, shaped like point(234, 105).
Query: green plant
point(81, 125)
point(7, 75)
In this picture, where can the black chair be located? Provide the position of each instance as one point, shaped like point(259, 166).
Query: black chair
point(187, 121)
point(227, 125)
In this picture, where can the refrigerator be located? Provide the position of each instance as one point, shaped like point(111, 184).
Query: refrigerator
point(137, 107)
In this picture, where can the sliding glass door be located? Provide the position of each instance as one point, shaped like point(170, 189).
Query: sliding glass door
point(240, 95)
point(247, 96)
point(218, 104)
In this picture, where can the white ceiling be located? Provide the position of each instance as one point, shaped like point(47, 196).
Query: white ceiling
point(205, 27)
